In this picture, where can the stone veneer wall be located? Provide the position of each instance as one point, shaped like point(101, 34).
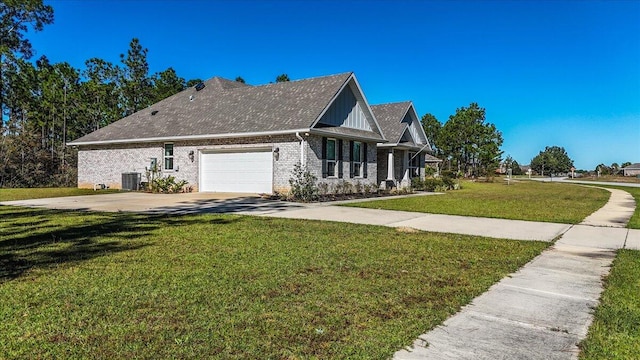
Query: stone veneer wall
point(104, 164)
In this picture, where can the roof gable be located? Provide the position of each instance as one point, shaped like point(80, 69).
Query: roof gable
point(345, 111)
point(415, 127)
point(400, 124)
point(349, 109)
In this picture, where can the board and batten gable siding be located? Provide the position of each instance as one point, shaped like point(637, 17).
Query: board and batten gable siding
point(413, 129)
point(346, 111)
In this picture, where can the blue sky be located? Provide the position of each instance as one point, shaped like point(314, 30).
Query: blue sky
point(547, 72)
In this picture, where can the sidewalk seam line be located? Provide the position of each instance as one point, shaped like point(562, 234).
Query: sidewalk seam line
point(624, 246)
point(550, 293)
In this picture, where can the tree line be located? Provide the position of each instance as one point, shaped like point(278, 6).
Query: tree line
point(466, 142)
point(45, 104)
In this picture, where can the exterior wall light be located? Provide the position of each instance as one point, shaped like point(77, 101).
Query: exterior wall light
point(276, 153)
point(191, 155)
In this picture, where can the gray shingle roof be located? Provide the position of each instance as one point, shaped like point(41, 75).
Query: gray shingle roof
point(219, 83)
point(635, 166)
point(227, 107)
point(390, 118)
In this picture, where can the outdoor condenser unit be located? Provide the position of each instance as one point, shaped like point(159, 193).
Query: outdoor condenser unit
point(131, 181)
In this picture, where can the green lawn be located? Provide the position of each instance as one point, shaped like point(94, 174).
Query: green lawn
point(118, 285)
point(39, 193)
point(615, 332)
point(522, 200)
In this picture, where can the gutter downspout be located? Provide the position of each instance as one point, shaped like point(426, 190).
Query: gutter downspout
point(302, 163)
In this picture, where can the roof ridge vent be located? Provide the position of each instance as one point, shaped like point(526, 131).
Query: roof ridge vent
point(199, 86)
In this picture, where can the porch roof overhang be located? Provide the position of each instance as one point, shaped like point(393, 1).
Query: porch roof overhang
point(402, 146)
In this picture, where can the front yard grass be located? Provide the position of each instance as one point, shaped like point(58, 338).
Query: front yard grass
point(615, 332)
point(40, 193)
point(522, 200)
point(118, 285)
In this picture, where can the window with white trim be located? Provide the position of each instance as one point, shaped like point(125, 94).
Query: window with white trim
point(168, 156)
point(331, 157)
point(414, 165)
point(357, 158)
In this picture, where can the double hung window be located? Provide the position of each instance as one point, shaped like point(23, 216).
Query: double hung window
point(331, 157)
point(357, 159)
point(168, 156)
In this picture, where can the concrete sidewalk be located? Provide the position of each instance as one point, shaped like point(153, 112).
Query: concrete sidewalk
point(497, 228)
point(545, 309)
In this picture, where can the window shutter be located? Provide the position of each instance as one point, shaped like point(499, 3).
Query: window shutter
point(324, 157)
point(351, 159)
point(364, 160)
point(340, 158)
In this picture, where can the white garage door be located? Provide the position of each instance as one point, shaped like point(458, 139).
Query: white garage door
point(246, 172)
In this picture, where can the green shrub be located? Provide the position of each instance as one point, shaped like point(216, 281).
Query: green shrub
point(417, 184)
point(358, 187)
point(167, 185)
point(431, 185)
point(448, 183)
point(323, 188)
point(348, 188)
point(303, 184)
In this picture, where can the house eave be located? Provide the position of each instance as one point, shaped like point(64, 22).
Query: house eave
point(188, 137)
point(400, 146)
point(354, 137)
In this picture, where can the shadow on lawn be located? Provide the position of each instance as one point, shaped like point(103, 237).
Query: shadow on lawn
point(39, 238)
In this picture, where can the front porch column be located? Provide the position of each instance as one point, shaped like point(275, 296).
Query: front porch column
point(406, 179)
point(390, 165)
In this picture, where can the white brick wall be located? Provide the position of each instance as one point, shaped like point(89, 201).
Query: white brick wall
point(105, 164)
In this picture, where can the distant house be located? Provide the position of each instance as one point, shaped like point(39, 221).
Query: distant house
point(631, 170)
point(225, 136)
point(433, 162)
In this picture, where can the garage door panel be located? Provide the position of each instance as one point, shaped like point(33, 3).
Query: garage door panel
point(250, 172)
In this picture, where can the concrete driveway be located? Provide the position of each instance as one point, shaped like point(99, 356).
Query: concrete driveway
point(163, 203)
point(252, 204)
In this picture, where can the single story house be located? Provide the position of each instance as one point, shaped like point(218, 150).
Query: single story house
point(631, 170)
point(226, 136)
point(406, 144)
